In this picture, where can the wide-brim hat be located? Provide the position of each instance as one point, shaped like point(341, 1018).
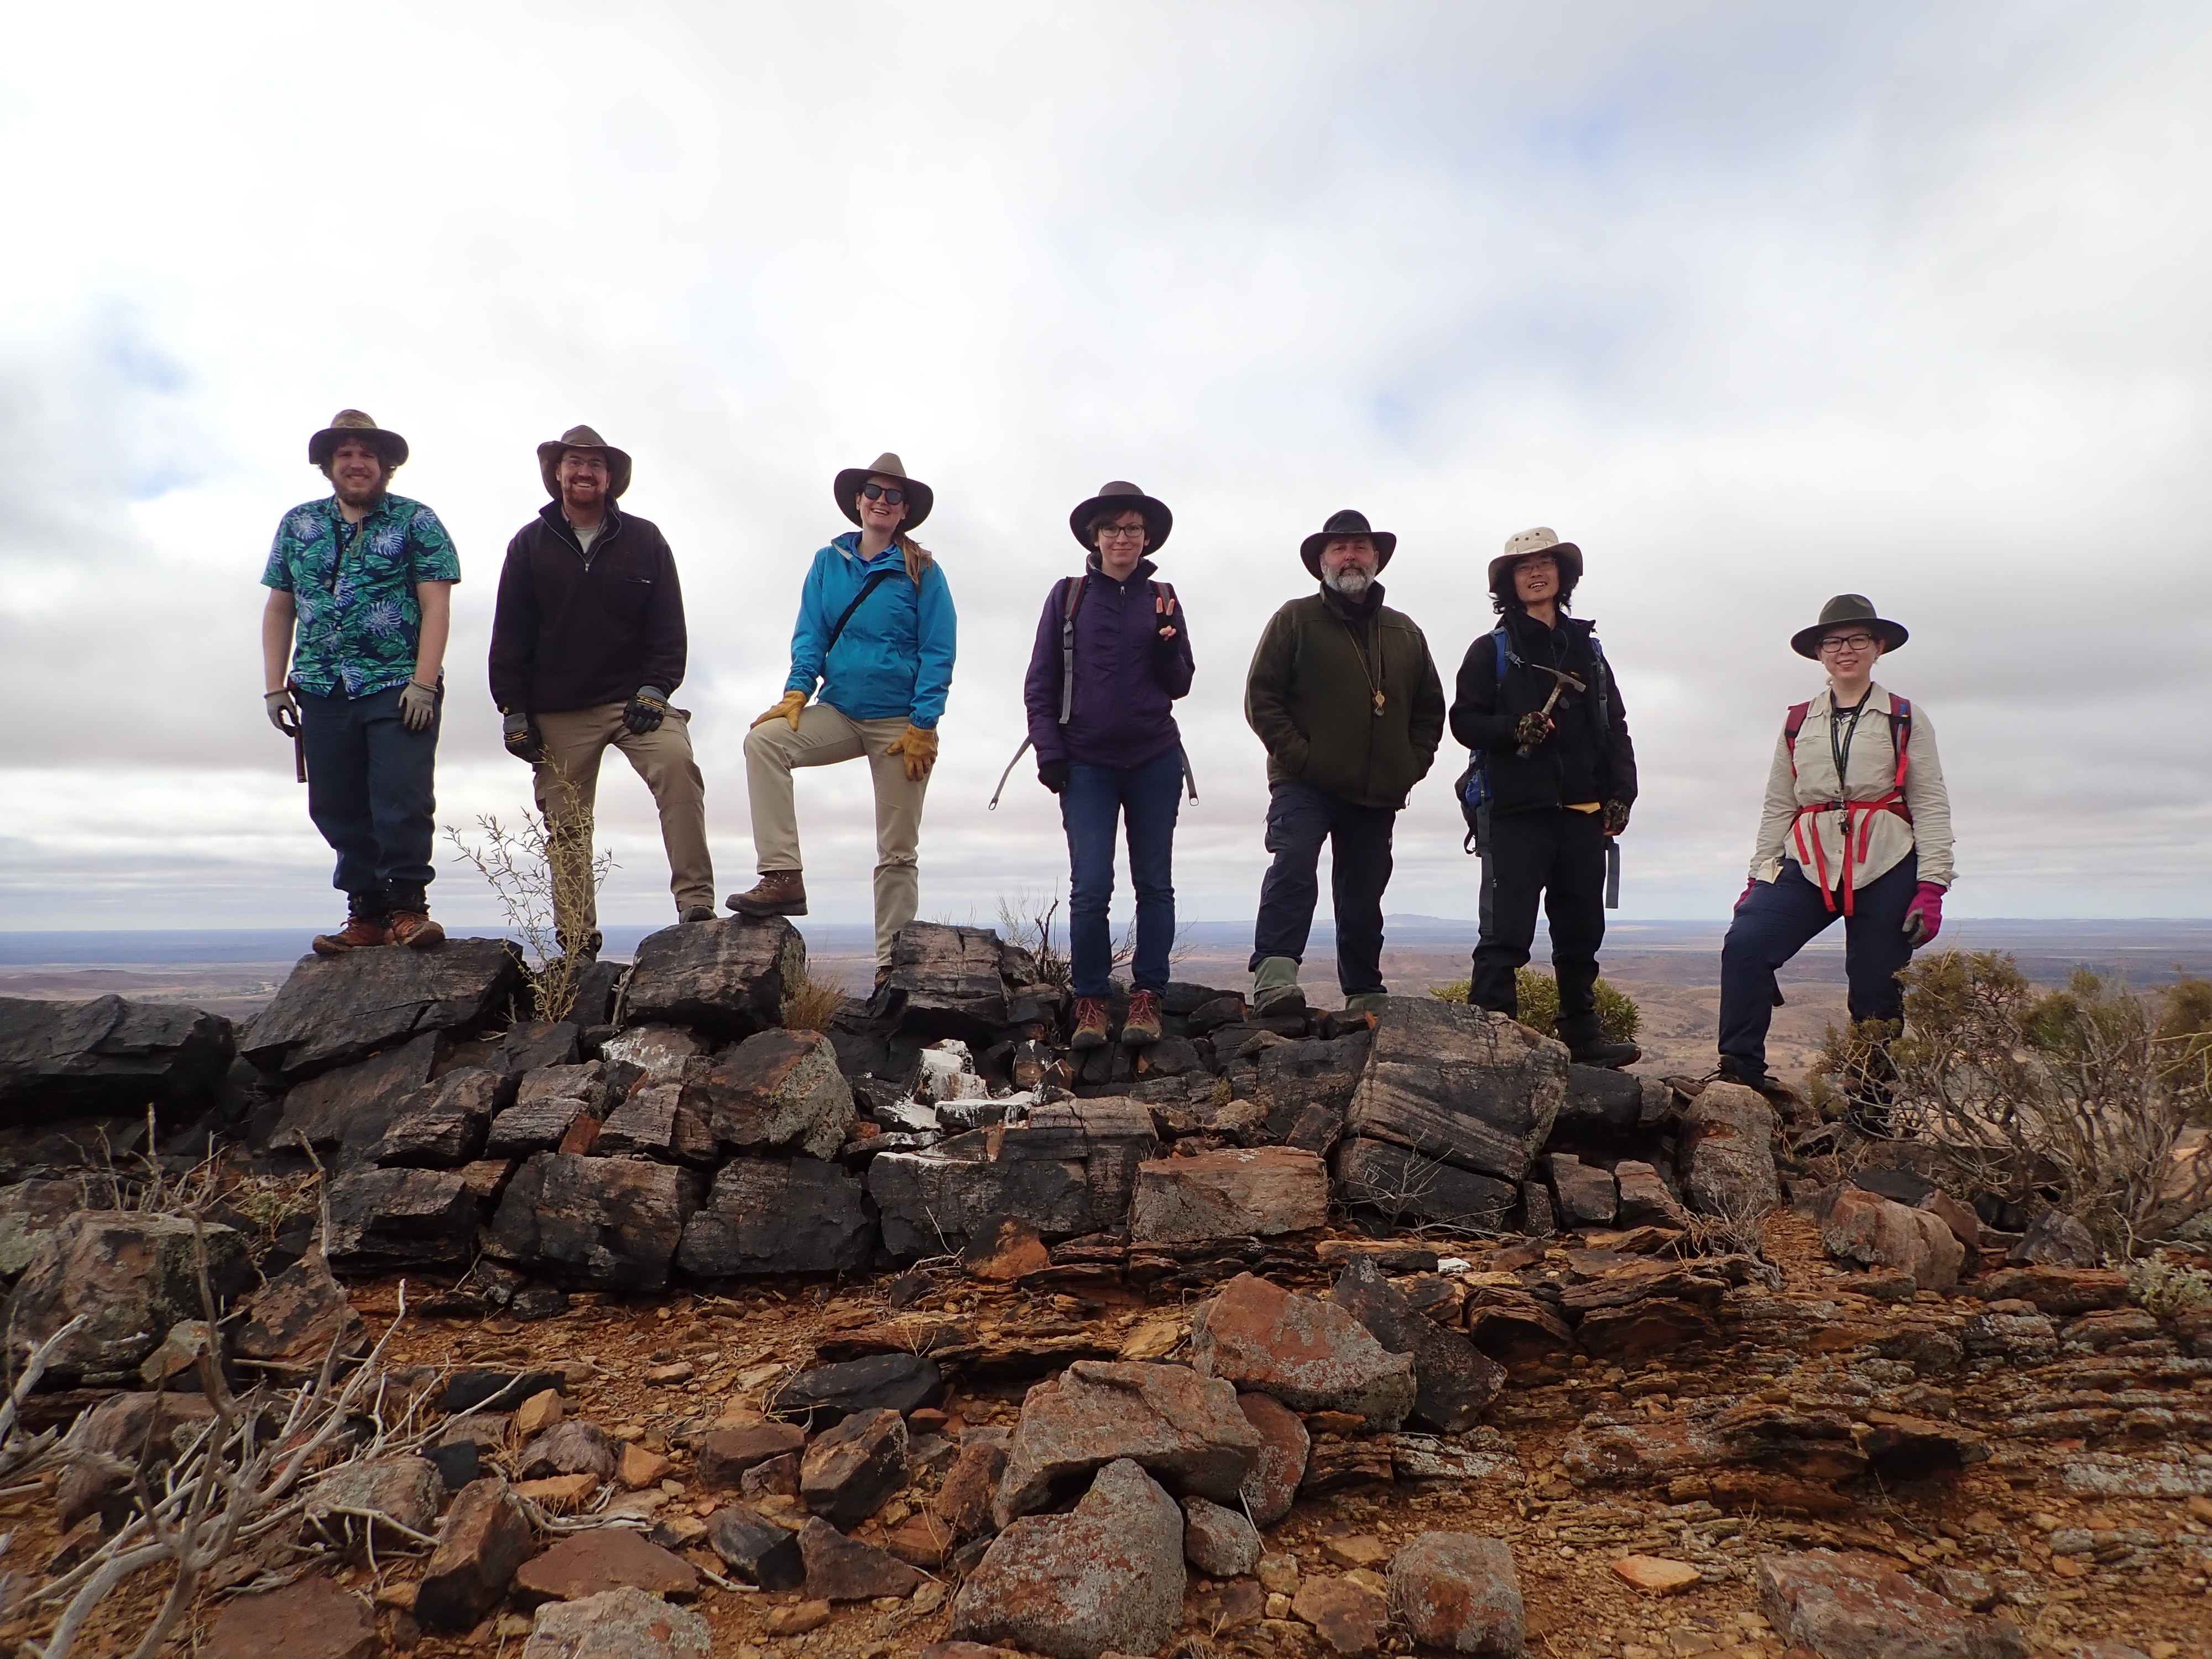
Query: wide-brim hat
point(1118, 497)
point(352, 423)
point(582, 437)
point(1541, 539)
point(1847, 608)
point(1346, 522)
point(919, 497)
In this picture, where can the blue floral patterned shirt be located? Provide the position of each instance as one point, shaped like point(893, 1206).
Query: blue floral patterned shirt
point(358, 622)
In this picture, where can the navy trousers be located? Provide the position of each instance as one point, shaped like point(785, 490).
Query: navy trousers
point(1775, 923)
point(369, 793)
point(1092, 802)
point(1299, 819)
point(1556, 856)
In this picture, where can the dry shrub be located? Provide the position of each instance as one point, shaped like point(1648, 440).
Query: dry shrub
point(2080, 1097)
point(1026, 927)
point(1537, 994)
point(812, 1004)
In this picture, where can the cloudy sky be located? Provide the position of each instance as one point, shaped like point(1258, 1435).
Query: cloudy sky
point(1759, 302)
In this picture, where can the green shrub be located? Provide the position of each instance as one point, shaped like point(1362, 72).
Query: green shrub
point(1538, 994)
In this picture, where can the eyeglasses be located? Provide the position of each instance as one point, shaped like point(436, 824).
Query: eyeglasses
point(878, 493)
point(1847, 642)
point(1116, 533)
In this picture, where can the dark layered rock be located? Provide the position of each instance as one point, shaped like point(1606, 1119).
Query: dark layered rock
point(131, 1275)
point(1454, 1380)
point(547, 1105)
point(62, 1059)
point(850, 1470)
point(529, 1044)
point(778, 1216)
point(1246, 1193)
point(385, 1218)
point(444, 1125)
point(2056, 1239)
point(948, 981)
point(298, 1318)
point(334, 1010)
point(1292, 1079)
point(1603, 1105)
point(483, 1539)
point(1586, 1195)
point(727, 978)
point(828, 1395)
point(1409, 1186)
point(654, 1121)
point(777, 1089)
point(600, 1222)
point(344, 1114)
point(1464, 1086)
point(842, 1569)
point(759, 1552)
point(1071, 1169)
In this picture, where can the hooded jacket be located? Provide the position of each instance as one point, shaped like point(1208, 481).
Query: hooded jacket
point(895, 657)
point(573, 629)
point(1583, 760)
point(1309, 696)
point(1122, 713)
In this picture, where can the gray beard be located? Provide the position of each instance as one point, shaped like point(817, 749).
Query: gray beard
point(1350, 581)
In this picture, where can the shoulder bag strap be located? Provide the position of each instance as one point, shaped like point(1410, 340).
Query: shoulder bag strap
point(866, 588)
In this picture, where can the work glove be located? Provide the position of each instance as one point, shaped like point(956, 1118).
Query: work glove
point(1614, 817)
point(918, 748)
point(790, 706)
point(520, 734)
point(647, 710)
point(1923, 917)
point(1052, 775)
point(418, 705)
point(282, 706)
point(1531, 729)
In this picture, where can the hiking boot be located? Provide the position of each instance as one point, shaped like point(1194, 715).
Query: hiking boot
point(781, 893)
point(1611, 1056)
point(698, 912)
point(358, 934)
point(1090, 1023)
point(1140, 1026)
point(413, 928)
point(1757, 1077)
point(1367, 1002)
point(1275, 986)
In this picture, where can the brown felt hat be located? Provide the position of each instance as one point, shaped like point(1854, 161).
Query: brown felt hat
point(1847, 608)
point(1118, 497)
point(1342, 523)
point(1541, 539)
point(582, 437)
point(919, 497)
point(352, 423)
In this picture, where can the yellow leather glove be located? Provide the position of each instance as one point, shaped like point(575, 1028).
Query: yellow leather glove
point(790, 704)
point(918, 748)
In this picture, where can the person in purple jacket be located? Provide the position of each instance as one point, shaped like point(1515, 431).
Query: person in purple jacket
point(1111, 657)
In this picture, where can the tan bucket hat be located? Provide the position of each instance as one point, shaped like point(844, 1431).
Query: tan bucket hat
point(582, 437)
point(1541, 539)
point(352, 423)
point(919, 497)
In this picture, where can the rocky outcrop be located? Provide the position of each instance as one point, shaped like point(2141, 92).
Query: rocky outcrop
point(443, 1125)
point(1408, 1188)
point(1309, 1354)
point(1454, 1380)
point(387, 1219)
point(1185, 1430)
point(601, 1223)
point(727, 978)
point(1232, 1193)
point(334, 1010)
point(778, 1216)
point(1466, 1087)
point(108, 1055)
point(777, 1089)
point(344, 1114)
point(130, 1275)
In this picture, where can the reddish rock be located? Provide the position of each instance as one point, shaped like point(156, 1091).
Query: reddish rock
point(1880, 1232)
point(1586, 1196)
point(842, 1569)
point(483, 1540)
point(347, 1507)
point(724, 1455)
point(1002, 1250)
point(310, 1618)
point(923, 1541)
point(964, 1502)
point(1341, 1465)
point(849, 1471)
point(608, 1557)
point(1656, 1574)
point(298, 1318)
point(1110, 1575)
point(1222, 1543)
point(1349, 1616)
point(1183, 1429)
point(625, 1622)
point(1965, 1226)
point(2057, 1290)
point(1242, 1193)
point(1853, 1605)
point(1237, 1605)
point(1644, 1200)
point(1309, 1355)
point(546, 1107)
point(131, 1274)
point(123, 1426)
point(1513, 1327)
point(570, 1448)
point(1646, 1327)
point(776, 1478)
point(1272, 1487)
point(1459, 1591)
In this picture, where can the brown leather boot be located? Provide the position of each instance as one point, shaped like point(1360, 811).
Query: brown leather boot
point(358, 934)
point(412, 928)
point(1140, 1027)
point(781, 893)
point(1090, 1023)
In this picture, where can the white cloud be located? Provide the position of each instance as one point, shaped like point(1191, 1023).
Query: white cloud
point(1757, 304)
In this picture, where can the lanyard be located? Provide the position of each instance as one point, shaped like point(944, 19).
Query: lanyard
point(1839, 749)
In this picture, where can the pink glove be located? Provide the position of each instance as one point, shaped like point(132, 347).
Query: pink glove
point(1923, 917)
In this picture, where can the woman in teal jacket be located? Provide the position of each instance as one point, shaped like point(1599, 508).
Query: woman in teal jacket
point(876, 635)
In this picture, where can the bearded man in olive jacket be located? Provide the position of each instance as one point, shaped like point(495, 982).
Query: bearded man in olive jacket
point(1344, 695)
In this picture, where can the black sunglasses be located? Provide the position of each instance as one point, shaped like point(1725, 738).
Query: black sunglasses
point(876, 492)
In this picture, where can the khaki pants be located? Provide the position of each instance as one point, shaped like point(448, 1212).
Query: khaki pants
point(567, 787)
point(824, 738)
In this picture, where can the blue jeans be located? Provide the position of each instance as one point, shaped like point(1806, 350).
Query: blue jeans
point(1776, 922)
point(1299, 819)
point(1091, 801)
point(369, 793)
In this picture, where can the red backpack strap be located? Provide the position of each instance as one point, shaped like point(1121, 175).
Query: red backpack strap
point(1792, 724)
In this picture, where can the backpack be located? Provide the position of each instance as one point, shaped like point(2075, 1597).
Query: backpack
point(1473, 787)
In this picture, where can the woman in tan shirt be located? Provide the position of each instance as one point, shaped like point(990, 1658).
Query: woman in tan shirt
point(1856, 824)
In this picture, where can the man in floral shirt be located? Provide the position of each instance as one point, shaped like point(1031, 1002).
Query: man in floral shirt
point(359, 604)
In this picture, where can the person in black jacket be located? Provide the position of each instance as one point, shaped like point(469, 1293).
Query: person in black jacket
point(587, 645)
point(1562, 778)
